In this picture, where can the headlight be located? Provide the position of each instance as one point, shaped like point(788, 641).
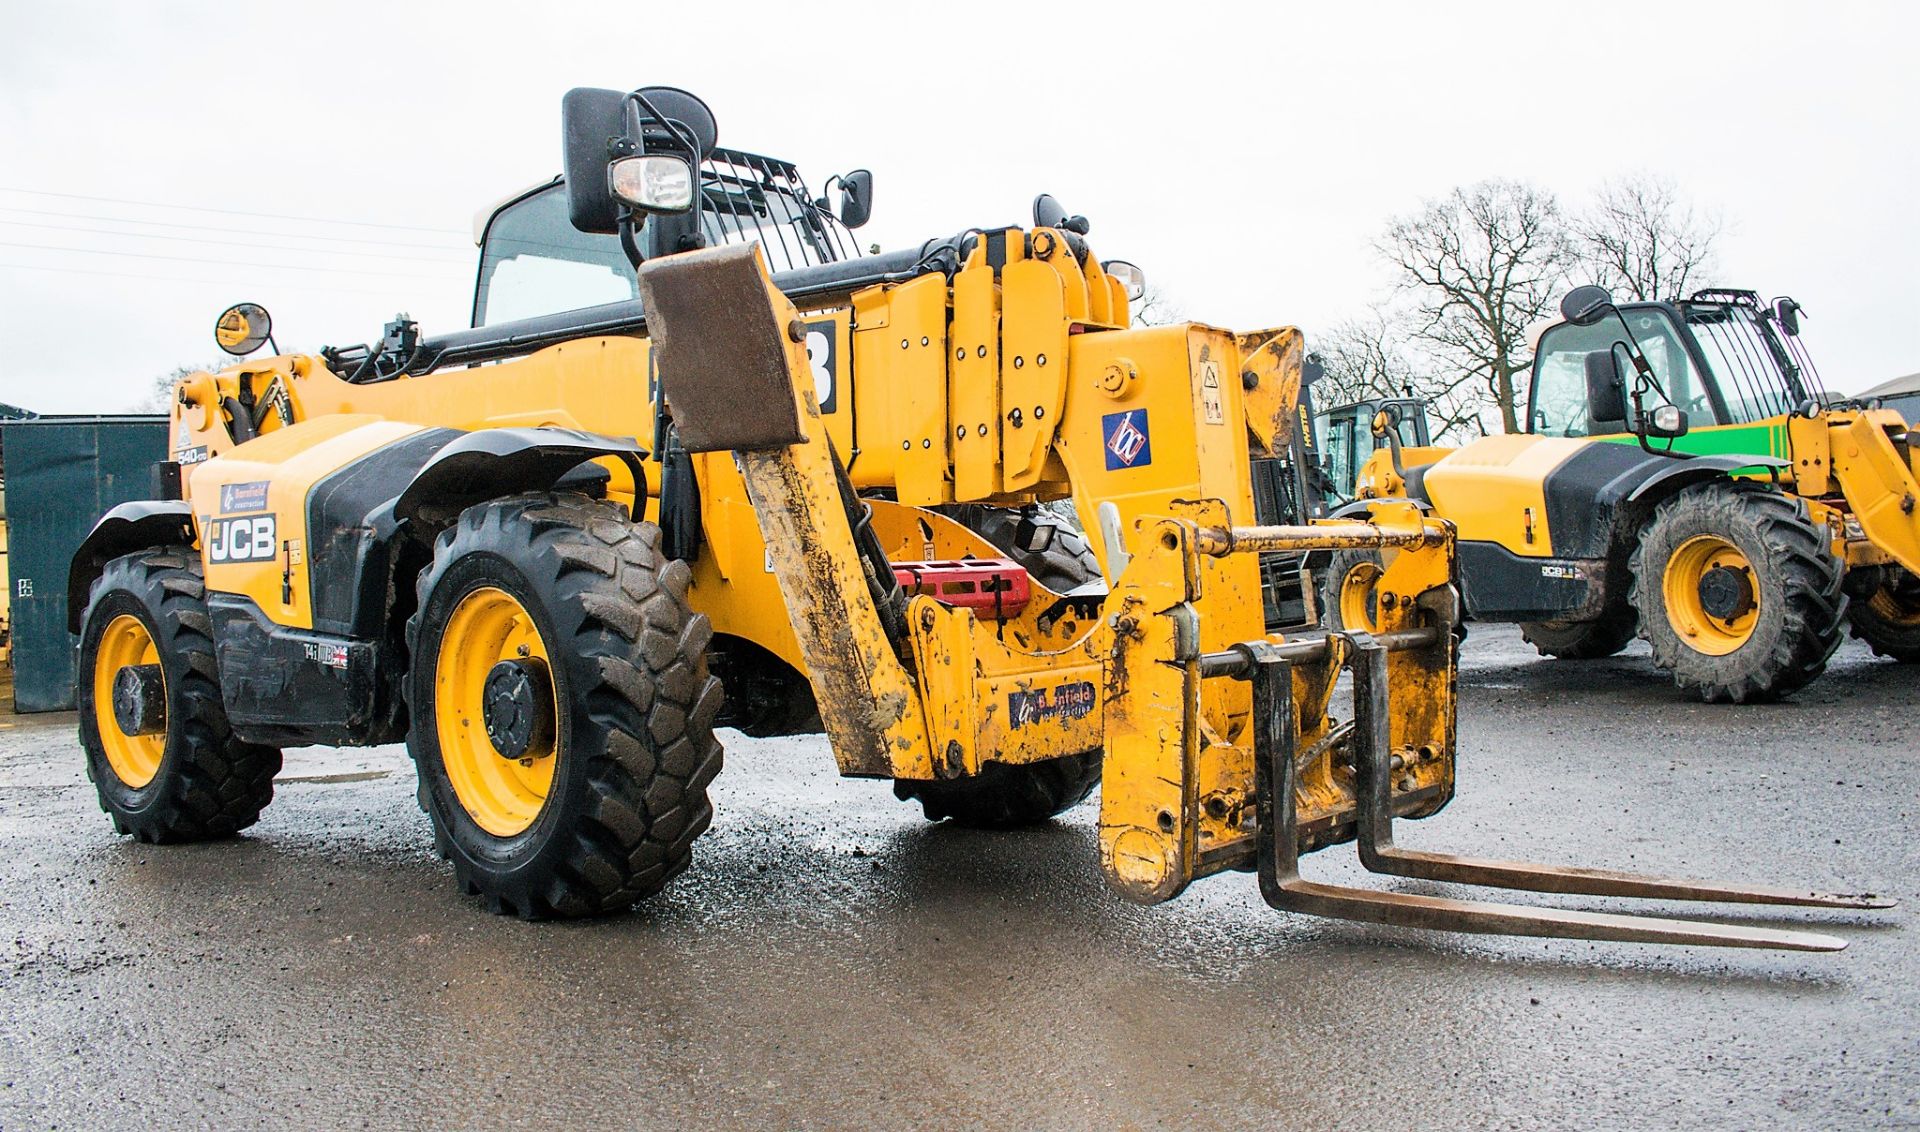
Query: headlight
point(1130, 277)
point(652, 182)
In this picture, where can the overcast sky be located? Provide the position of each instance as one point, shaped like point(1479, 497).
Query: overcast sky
point(1245, 155)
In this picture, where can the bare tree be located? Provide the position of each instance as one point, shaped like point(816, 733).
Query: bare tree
point(159, 395)
point(1643, 240)
point(1479, 265)
point(1153, 308)
point(1370, 358)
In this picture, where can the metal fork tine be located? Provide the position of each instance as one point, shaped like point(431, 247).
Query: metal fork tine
point(1283, 887)
point(1372, 761)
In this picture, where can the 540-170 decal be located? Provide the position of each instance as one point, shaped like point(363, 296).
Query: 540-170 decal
point(239, 538)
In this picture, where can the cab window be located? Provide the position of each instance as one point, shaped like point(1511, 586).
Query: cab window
point(536, 262)
point(1560, 372)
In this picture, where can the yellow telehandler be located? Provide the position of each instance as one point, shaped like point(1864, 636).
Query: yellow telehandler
point(540, 548)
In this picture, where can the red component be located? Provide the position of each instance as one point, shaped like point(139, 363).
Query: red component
point(991, 587)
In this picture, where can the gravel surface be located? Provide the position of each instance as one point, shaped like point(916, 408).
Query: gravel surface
point(831, 961)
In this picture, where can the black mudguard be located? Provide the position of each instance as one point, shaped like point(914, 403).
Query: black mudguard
point(136, 525)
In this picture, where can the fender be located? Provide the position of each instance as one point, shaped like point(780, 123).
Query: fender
point(492, 462)
point(141, 524)
point(1699, 469)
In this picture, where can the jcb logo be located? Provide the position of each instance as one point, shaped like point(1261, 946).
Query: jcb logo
point(242, 538)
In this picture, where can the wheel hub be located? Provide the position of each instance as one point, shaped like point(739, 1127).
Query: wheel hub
point(1726, 593)
point(516, 707)
point(140, 700)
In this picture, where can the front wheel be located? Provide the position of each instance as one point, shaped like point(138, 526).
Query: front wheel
point(1888, 619)
point(1349, 591)
point(562, 714)
point(1738, 593)
point(160, 752)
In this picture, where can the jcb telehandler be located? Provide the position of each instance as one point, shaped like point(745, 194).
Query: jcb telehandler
point(529, 547)
point(1683, 477)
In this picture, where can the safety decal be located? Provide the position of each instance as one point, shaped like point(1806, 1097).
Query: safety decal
point(1061, 704)
point(1126, 438)
point(243, 496)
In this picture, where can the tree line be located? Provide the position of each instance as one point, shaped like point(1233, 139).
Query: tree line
point(1473, 270)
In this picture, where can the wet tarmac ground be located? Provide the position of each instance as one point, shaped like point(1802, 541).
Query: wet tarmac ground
point(832, 961)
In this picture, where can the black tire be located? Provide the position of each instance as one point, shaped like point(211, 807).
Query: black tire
point(633, 738)
point(1066, 563)
point(1796, 584)
point(1007, 795)
point(1581, 640)
point(1332, 582)
point(1888, 619)
point(209, 783)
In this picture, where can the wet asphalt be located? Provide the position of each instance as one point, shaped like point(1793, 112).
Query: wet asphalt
point(832, 961)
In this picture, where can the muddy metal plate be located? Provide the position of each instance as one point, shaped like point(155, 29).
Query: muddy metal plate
point(721, 349)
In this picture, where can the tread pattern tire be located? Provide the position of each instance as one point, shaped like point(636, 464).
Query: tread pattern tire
point(1581, 640)
point(1067, 563)
point(210, 783)
point(1895, 639)
point(1007, 795)
point(1802, 606)
point(636, 749)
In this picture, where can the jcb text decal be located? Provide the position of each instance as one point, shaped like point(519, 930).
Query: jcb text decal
point(1060, 704)
point(240, 538)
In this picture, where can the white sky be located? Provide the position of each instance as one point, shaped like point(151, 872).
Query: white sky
point(1244, 155)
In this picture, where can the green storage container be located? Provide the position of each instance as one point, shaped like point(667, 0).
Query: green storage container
point(62, 474)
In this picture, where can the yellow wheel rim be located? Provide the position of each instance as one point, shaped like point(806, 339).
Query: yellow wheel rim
point(135, 759)
point(503, 796)
point(1359, 605)
point(1687, 610)
point(1887, 605)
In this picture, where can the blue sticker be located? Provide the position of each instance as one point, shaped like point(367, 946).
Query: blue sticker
point(1125, 435)
point(243, 496)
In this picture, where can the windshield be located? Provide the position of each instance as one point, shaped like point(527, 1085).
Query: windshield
point(1560, 372)
point(536, 262)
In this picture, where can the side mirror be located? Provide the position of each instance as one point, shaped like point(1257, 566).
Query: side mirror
point(1668, 422)
point(1586, 305)
point(1606, 393)
point(1788, 312)
point(593, 129)
point(856, 197)
point(1050, 213)
point(243, 328)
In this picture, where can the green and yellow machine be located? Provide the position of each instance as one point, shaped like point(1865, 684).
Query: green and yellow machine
point(1685, 478)
point(694, 465)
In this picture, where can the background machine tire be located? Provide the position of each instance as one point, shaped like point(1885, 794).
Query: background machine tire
point(1005, 795)
point(588, 623)
point(1347, 584)
point(1754, 556)
point(192, 779)
point(1585, 640)
point(1888, 618)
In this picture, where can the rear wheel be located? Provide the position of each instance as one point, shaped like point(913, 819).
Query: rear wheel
point(1888, 619)
point(160, 752)
point(1007, 795)
point(1738, 593)
point(1580, 640)
point(562, 714)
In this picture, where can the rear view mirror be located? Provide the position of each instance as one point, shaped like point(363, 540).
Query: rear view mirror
point(1586, 305)
point(1788, 312)
point(1606, 393)
point(856, 197)
point(593, 128)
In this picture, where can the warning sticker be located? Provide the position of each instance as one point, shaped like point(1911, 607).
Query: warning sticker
point(1210, 393)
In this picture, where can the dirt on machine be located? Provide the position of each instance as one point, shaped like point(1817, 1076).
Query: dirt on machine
point(698, 464)
point(1685, 478)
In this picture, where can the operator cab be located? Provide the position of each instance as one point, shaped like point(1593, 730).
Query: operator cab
point(1720, 357)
